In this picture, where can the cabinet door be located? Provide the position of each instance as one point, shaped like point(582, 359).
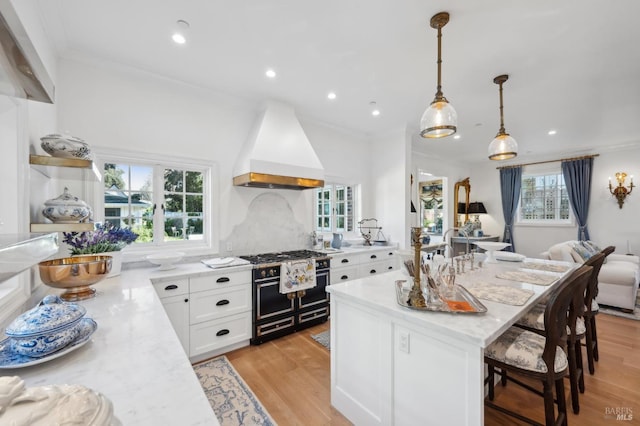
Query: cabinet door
point(177, 309)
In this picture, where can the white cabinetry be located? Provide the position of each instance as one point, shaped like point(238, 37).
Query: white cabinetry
point(174, 295)
point(211, 313)
point(377, 262)
point(220, 313)
point(362, 263)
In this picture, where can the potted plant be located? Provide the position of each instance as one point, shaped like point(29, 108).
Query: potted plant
point(106, 239)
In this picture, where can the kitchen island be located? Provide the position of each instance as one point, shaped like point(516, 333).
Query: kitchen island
point(394, 365)
point(134, 357)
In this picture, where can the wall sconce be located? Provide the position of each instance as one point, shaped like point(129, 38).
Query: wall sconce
point(620, 191)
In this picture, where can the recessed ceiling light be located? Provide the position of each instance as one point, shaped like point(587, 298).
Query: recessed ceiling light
point(552, 132)
point(180, 31)
point(375, 112)
point(270, 73)
point(457, 136)
point(331, 95)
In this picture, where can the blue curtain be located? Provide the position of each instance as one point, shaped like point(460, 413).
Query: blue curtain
point(510, 183)
point(577, 177)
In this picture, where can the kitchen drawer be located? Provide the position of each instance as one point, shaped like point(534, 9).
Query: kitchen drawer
point(374, 256)
point(219, 280)
point(344, 274)
point(315, 314)
point(170, 288)
point(216, 334)
point(372, 268)
point(213, 304)
point(344, 259)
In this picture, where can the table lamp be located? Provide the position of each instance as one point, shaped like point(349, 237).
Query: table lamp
point(477, 208)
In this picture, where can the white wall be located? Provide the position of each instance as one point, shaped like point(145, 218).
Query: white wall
point(608, 225)
point(390, 170)
point(122, 108)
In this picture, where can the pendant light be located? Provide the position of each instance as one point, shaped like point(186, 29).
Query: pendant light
point(503, 147)
point(440, 119)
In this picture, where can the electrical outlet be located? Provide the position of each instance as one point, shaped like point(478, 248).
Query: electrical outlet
point(403, 344)
point(229, 246)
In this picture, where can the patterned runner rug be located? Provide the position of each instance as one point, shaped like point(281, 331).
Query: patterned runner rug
point(323, 338)
point(230, 397)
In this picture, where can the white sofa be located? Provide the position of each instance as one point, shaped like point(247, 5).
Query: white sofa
point(618, 279)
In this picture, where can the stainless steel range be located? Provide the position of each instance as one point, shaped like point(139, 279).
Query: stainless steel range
point(276, 314)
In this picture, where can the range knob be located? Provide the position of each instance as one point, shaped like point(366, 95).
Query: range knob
point(263, 273)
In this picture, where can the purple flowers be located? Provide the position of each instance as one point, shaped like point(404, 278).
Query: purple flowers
point(105, 238)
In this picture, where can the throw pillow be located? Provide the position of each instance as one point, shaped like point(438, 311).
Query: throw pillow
point(593, 248)
point(582, 251)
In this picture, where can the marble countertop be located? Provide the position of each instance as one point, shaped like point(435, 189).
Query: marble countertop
point(134, 358)
point(377, 292)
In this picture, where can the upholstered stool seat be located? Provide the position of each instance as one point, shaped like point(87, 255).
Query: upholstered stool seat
point(524, 349)
point(534, 319)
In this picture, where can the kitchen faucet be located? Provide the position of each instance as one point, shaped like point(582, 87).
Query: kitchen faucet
point(450, 245)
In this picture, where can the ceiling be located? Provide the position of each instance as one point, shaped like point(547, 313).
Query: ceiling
point(573, 65)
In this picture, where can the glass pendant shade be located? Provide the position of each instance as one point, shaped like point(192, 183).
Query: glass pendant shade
point(503, 147)
point(439, 120)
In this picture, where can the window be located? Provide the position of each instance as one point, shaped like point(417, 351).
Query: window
point(544, 200)
point(165, 204)
point(334, 208)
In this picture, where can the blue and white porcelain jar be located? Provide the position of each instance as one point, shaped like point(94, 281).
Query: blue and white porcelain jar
point(66, 208)
point(46, 328)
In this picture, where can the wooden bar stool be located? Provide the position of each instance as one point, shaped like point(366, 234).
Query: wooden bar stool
point(590, 312)
point(533, 321)
point(540, 356)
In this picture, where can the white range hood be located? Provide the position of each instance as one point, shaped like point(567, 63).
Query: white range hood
point(278, 153)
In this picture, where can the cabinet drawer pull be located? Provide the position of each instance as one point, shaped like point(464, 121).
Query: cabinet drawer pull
point(171, 287)
point(373, 271)
point(345, 261)
point(222, 332)
point(344, 277)
point(222, 302)
point(390, 267)
point(223, 280)
point(373, 256)
point(390, 253)
point(186, 300)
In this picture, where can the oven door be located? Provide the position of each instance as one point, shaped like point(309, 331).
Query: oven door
point(273, 312)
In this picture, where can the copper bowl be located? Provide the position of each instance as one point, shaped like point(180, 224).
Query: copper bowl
point(75, 274)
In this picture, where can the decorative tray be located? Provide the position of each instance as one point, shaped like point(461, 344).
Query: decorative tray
point(462, 301)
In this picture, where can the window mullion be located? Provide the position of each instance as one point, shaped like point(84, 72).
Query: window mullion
point(159, 202)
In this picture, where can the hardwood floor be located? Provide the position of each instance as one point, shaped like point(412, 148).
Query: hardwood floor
point(291, 377)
